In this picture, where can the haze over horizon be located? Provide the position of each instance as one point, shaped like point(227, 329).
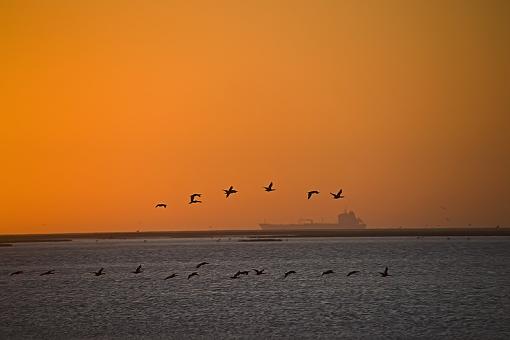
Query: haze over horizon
point(110, 107)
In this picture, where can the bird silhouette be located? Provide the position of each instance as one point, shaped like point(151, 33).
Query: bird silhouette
point(161, 205)
point(230, 191)
point(192, 274)
point(49, 272)
point(259, 272)
point(138, 270)
point(193, 200)
point(170, 276)
point(244, 272)
point(288, 273)
point(99, 272)
point(269, 188)
point(310, 193)
point(201, 264)
point(337, 195)
point(352, 272)
point(327, 272)
point(236, 275)
point(385, 272)
point(16, 273)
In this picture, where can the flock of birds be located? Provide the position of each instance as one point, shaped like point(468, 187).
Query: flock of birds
point(194, 198)
point(237, 275)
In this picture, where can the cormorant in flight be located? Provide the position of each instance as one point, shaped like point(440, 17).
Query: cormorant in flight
point(201, 264)
point(385, 272)
point(269, 188)
point(310, 193)
point(49, 272)
point(236, 275)
point(170, 276)
point(337, 195)
point(288, 273)
point(352, 272)
point(193, 200)
point(99, 272)
point(16, 273)
point(259, 272)
point(327, 272)
point(230, 191)
point(192, 274)
point(138, 270)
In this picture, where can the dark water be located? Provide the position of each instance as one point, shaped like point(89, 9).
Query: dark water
point(439, 288)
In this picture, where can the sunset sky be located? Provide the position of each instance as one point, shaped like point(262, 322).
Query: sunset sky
point(109, 107)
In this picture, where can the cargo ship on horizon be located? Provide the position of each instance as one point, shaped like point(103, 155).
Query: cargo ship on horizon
point(346, 220)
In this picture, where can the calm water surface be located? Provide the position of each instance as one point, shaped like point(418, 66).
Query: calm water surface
point(439, 288)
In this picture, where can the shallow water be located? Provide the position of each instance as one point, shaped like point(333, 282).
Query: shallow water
point(439, 288)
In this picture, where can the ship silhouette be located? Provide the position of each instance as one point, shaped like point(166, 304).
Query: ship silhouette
point(346, 220)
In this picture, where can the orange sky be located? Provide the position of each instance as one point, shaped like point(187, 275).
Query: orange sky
point(108, 107)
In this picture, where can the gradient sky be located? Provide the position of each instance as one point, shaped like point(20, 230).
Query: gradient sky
point(108, 107)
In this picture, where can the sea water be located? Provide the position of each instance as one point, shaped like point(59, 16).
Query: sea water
point(438, 288)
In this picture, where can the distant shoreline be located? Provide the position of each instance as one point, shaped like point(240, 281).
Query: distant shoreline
point(375, 232)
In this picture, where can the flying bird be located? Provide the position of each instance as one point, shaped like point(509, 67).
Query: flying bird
point(337, 195)
point(138, 270)
point(192, 274)
point(310, 193)
point(201, 264)
point(230, 191)
point(170, 276)
point(161, 205)
point(49, 272)
point(288, 273)
point(193, 200)
point(352, 272)
point(327, 272)
point(259, 272)
point(244, 272)
point(16, 273)
point(99, 272)
point(269, 188)
point(385, 272)
point(236, 275)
